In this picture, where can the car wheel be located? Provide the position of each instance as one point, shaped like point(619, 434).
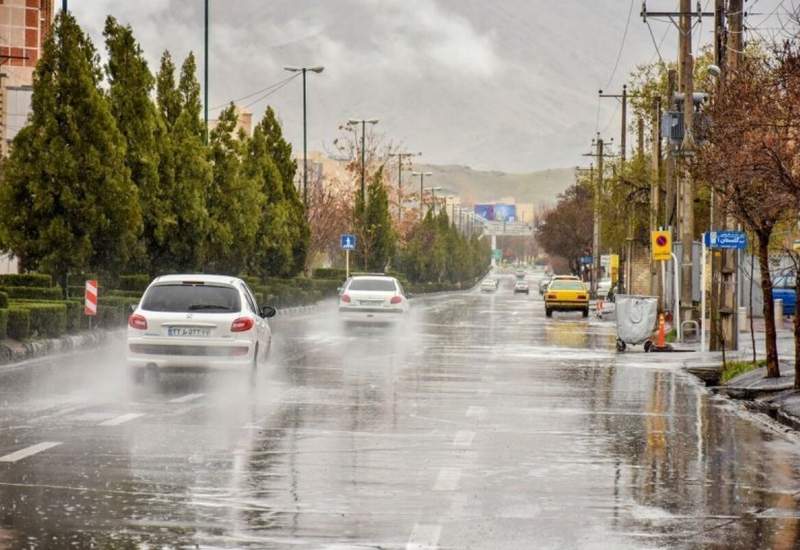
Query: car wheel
point(136, 375)
point(254, 366)
point(586, 312)
point(621, 345)
point(548, 312)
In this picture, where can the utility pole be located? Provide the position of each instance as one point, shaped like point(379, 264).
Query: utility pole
point(363, 122)
point(671, 204)
point(303, 71)
point(205, 72)
point(686, 186)
point(400, 157)
point(655, 193)
point(421, 189)
point(596, 226)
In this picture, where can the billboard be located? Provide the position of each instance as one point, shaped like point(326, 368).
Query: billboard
point(485, 211)
point(497, 212)
point(505, 212)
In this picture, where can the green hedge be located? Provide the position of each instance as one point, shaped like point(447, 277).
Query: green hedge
point(26, 279)
point(19, 323)
point(33, 292)
point(329, 273)
point(3, 300)
point(136, 282)
point(130, 294)
point(47, 320)
point(111, 316)
point(3, 323)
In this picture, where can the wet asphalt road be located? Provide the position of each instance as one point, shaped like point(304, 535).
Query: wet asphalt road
point(482, 424)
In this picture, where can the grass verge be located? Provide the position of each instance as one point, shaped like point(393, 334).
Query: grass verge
point(735, 368)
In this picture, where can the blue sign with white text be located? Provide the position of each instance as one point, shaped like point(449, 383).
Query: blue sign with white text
point(348, 242)
point(586, 260)
point(736, 240)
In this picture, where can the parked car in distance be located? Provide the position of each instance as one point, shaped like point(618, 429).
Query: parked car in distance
point(197, 321)
point(566, 295)
point(372, 299)
point(521, 287)
point(783, 288)
point(489, 284)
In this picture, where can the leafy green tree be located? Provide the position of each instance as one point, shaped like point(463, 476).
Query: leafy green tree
point(373, 226)
point(281, 152)
point(129, 86)
point(68, 201)
point(184, 170)
point(273, 254)
point(234, 200)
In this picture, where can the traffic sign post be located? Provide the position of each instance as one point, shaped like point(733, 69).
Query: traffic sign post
point(348, 243)
point(90, 300)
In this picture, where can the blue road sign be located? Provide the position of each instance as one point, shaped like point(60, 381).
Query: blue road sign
point(725, 239)
point(348, 242)
point(586, 260)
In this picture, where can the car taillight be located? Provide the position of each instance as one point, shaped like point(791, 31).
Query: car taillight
point(345, 298)
point(581, 296)
point(552, 296)
point(242, 324)
point(137, 321)
point(396, 300)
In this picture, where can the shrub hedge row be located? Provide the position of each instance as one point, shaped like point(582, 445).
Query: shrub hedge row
point(3, 300)
point(33, 292)
point(328, 273)
point(26, 279)
point(19, 323)
point(135, 282)
point(3, 323)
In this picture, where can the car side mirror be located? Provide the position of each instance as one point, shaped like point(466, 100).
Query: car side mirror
point(131, 309)
point(339, 289)
point(268, 311)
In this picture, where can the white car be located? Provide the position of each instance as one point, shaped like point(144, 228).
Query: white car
point(198, 321)
point(372, 298)
point(489, 285)
point(603, 286)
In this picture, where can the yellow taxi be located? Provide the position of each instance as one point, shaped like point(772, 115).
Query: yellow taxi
point(566, 293)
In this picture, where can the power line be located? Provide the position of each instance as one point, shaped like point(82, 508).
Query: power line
point(269, 93)
point(271, 88)
point(621, 46)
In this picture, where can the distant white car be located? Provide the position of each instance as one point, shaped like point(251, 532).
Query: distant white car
point(373, 298)
point(603, 286)
point(521, 287)
point(198, 321)
point(489, 285)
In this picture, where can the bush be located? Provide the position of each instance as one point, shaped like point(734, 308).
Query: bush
point(76, 319)
point(26, 279)
point(19, 323)
point(111, 316)
point(3, 300)
point(251, 281)
point(47, 320)
point(3, 323)
point(130, 294)
point(33, 292)
point(137, 282)
point(329, 273)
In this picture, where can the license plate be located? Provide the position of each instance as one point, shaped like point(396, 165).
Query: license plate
point(188, 331)
point(370, 302)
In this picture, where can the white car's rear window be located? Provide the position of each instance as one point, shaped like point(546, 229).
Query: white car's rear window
point(191, 298)
point(384, 285)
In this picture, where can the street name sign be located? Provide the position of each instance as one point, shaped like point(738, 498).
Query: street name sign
point(348, 242)
point(736, 240)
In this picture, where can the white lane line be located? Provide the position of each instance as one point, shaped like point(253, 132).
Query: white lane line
point(476, 412)
point(463, 438)
point(448, 479)
point(187, 398)
point(121, 419)
point(424, 537)
point(28, 451)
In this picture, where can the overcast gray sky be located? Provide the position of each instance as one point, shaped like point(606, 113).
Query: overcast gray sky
point(505, 84)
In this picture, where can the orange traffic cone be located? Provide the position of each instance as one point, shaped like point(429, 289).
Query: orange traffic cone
point(662, 337)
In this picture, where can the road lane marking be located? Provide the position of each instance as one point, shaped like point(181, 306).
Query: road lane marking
point(476, 412)
point(424, 537)
point(448, 479)
point(121, 419)
point(29, 451)
point(463, 438)
point(187, 398)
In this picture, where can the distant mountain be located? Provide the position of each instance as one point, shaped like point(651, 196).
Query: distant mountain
point(476, 186)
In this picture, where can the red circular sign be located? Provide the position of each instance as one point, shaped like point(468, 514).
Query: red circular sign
point(661, 240)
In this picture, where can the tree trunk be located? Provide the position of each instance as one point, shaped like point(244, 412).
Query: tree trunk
point(750, 305)
point(796, 331)
point(773, 371)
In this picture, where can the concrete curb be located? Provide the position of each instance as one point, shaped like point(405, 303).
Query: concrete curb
point(283, 312)
point(12, 352)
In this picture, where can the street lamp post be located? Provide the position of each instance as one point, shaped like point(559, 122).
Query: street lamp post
point(421, 188)
point(304, 70)
point(363, 122)
point(433, 198)
point(400, 157)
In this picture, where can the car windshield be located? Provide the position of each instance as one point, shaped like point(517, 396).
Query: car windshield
point(378, 285)
point(567, 285)
point(188, 298)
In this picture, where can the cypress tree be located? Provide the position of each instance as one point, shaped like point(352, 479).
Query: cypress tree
point(130, 85)
point(374, 225)
point(68, 201)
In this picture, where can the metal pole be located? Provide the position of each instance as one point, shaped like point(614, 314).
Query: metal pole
point(305, 144)
point(703, 296)
point(399, 187)
point(64, 6)
point(421, 191)
point(347, 263)
point(624, 131)
point(205, 77)
point(363, 161)
point(677, 308)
